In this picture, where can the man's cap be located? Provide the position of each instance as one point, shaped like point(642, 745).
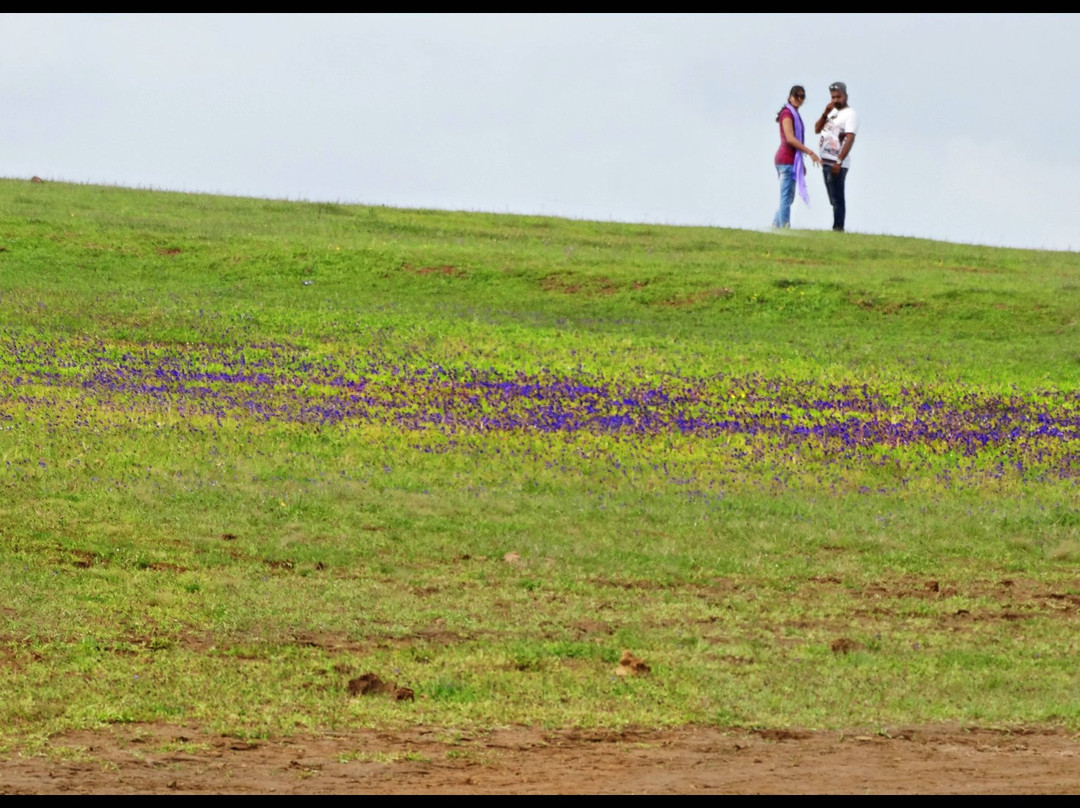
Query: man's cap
point(838, 85)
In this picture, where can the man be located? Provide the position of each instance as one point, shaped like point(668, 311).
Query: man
point(837, 126)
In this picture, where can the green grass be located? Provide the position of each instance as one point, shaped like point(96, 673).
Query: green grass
point(232, 572)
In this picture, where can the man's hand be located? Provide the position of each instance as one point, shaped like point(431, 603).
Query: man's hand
point(835, 169)
point(819, 124)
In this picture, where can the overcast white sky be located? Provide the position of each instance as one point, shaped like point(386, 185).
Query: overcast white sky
point(968, 122)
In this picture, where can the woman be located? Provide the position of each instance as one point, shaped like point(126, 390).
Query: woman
point(789, 157)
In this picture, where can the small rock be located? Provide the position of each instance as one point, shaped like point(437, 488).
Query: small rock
point(371, 685)
point(630, 665)
point(844, 645)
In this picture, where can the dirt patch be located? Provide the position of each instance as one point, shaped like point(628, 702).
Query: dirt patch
point(935, 603)
point(596, 285)
point(882, 307)
point(1008, 590)
point(845, 645)
point(644, 584)
point(83, 559)
point(435, 634)
point(588, 626)
point(165, 566)
point(330, 643)
point(699, 297)
point(803, 262)
point(161, 759)
point(781, 735)
point(369, 684)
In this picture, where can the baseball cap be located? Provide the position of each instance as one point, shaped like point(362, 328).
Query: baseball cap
point(838, 85)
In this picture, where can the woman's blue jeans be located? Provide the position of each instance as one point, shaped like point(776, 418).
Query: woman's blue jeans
point(787, 195)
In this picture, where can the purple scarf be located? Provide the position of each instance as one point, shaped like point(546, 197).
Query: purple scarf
point(800, 169)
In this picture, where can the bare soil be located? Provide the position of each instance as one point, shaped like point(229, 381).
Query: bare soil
point(148, 759)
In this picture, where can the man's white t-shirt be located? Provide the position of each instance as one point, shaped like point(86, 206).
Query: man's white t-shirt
point(840, 122)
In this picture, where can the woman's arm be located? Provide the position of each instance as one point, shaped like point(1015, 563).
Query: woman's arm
point(789, 135)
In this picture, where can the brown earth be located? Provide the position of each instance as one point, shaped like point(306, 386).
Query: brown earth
point(148, 759)
point(938, 759)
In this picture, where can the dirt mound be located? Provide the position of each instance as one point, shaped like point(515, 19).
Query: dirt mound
point(150, 759)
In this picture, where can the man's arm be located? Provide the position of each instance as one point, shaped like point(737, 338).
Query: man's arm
point(845, 146)
point(820, 124)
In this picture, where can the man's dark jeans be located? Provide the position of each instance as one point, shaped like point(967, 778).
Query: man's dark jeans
point(834, 186)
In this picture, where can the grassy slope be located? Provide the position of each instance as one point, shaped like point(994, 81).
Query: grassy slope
point(354, 551)
point(800, 304)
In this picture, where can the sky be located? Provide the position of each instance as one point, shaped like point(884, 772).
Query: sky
point(966, 121)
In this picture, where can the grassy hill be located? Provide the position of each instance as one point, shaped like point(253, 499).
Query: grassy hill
point(253, 449)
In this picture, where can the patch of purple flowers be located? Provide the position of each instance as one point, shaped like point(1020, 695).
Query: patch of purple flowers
point(753, 417)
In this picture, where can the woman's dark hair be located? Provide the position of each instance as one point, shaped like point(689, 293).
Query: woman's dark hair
point(796, 90)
